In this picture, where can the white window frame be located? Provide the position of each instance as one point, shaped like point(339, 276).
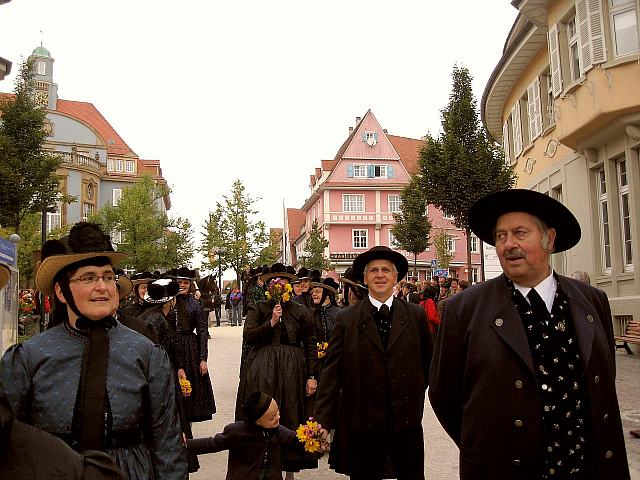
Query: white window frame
point(116, 195)
point(624, 200)
point(359, 171)
point(395, 205)
point(604, 221)
point(363, 240)
point(87, 210)
point(573, 45)
point(111, 165)
point(54, 219)
point(628, 6)
point(516, 128)
point(380, 171)
point(119, 165)
point(130, 166)
point(451, 243)
point(534, 109)
point(42, 68)
point(475, 246)
point(393, 243)
point(547, 100)
point(352, 203)
point(475, 275)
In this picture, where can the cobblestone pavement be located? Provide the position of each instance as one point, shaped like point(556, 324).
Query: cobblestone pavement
point(441, 457)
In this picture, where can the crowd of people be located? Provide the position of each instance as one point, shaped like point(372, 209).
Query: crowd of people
point(520, 368)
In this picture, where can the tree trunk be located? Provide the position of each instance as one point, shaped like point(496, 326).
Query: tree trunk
point(469, 273)
point(481, 279)
point(415, 265)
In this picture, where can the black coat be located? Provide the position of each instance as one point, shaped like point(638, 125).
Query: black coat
point(356, 363)
point(482, 381)
point(247, 447)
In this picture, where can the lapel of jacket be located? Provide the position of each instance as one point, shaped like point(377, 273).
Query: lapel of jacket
point(367, 324)
point(506, 322)
point(583, 316)
point(398, 322)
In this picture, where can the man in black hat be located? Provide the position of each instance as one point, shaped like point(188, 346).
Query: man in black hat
point(375, 375)
point(523, 375)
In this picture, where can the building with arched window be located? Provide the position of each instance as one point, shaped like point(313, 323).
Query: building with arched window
point(565, 103)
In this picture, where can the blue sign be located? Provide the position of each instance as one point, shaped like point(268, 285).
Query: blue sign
point(8, 252)
point(442, 272)
point(434, 263)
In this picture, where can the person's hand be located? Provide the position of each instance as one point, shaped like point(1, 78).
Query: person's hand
point(312, 386)
point(324, 436)
point(203, 367)
point(181, 373)
point(276, 314)
point(197, 295)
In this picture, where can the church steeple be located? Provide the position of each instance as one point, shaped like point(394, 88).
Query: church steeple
point(46, 91)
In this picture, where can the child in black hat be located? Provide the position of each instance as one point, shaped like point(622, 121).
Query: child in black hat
point(254, 444)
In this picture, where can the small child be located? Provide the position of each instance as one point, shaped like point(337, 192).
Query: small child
point(254, 444)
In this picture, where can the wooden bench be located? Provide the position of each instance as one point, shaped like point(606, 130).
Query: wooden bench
point(631, 335)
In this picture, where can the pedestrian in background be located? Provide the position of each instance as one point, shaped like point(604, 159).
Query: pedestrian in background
point(236, 307)
point(523, 375)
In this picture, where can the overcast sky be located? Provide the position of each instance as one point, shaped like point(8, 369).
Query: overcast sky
point(256, 90)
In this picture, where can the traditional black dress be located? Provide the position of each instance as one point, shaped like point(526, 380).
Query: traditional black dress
point(281, 360)
point(191, 348)
point(41, 377)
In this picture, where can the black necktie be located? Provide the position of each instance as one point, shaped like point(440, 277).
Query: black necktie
point(383, 322)
point(537, 305)
point(384, 310)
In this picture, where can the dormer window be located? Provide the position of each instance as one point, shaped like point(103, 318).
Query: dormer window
point(370, 138)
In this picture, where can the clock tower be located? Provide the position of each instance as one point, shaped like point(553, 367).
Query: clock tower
point(46, 92)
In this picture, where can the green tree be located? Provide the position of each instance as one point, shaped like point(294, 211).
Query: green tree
point(412, 226)
point(269, 254)
point(315, 246)
point(463, 164)
point(28, 180)
point(213, 242)
point(441, 246)
point(148, 236)
point(232, 227)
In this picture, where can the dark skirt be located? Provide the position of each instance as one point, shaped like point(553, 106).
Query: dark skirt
point(200, 405)
point(278, 370)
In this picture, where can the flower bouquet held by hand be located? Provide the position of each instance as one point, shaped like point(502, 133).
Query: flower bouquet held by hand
point(322, 349)
point(310, 436)
point(185, 386)
point(279, 290)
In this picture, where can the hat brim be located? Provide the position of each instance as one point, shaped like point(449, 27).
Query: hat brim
point(352, 283)
point(5, 274)
point(322, 285)
point(52, 265)
point(268, 276)
point(399, 260)
point(484, 215)
point(140, 281)
point(125, 286)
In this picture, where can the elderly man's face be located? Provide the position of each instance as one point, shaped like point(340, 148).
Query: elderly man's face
point(380, 276)
point(519, 245)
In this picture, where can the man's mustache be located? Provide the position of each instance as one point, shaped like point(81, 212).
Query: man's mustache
point(514, 254)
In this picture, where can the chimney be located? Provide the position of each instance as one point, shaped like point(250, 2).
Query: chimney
point(350, 130)
point(358, 120)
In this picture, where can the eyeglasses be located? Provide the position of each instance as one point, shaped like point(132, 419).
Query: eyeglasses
point(91, 278)
point(383, 270)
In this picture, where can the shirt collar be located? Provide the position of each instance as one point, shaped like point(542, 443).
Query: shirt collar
point(378, 303)
point(546, 289)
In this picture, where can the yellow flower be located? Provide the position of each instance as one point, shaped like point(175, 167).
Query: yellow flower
point(268, 295)
point(286, 297)
point(185, 386)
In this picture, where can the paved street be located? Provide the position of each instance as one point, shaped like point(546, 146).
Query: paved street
point(441, 454)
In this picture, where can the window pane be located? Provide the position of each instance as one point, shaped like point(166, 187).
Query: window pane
point(626, 32)
point(622, 170)
point(605, 236)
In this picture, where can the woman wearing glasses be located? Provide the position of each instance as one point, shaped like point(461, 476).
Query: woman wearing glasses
point(91, 381)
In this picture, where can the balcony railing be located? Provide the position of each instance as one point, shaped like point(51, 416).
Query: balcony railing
point(74, 158)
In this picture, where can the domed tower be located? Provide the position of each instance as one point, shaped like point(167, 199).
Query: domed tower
point(46, 92)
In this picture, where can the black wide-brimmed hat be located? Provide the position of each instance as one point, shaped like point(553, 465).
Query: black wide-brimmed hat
point(326, 283)
point(485, 212)
point(278, 270)
point(142, 277)
point(182, 273)
point(85, 241)
point(161, 290)
point(350, 278)
point(380, 252)
point(303, 274)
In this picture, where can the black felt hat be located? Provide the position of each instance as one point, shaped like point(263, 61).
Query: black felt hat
point(182, 273)
point(484, 215)
point(380, 252)
point(142, 277)
point(162, 290)
point(256, 405)
point(352, 279)
point(326, 283)
point(278, 270)
point(303, 274)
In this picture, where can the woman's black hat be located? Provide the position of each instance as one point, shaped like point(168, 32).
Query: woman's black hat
point(326, 283)
point(485, 212)
point(182, 273)
point(256, 405)
point(380, 252)
point(278, 270)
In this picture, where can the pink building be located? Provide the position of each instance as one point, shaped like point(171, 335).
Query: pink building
point(353, 198)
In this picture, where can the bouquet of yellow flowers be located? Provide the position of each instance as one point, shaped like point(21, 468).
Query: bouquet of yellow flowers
point(322, 349)
point(309, 435)
point(185, 386)
point(279, 290)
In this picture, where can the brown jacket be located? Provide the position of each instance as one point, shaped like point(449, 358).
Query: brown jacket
point(482, 381)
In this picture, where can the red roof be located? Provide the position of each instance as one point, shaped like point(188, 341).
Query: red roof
point(409, 151)
point(89, 114)
point(296, 220)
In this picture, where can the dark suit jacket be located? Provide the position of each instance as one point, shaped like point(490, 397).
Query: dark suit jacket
point(356, 363)
point(482, 380)
point(247, 447)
